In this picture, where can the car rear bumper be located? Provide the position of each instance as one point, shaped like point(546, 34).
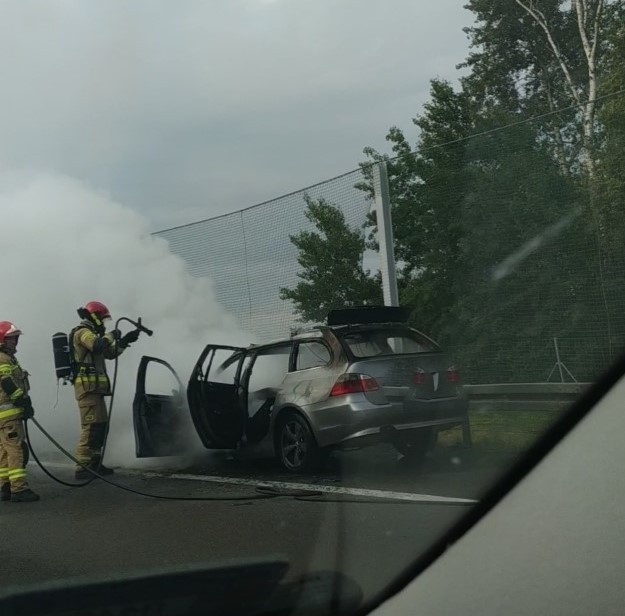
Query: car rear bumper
point(362, 423)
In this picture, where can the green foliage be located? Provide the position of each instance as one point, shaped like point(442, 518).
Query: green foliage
point(508, 233)
point(331, 273)
point(529, 57)
point(608, 191)
point(507, 238)
point(611, 179)
point(426, 189)
point(523, 259)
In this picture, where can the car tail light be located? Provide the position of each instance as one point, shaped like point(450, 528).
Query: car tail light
point(419, 377)
point(453, 376)
point(353, 384)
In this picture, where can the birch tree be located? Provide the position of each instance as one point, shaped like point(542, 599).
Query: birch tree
point(543, 56)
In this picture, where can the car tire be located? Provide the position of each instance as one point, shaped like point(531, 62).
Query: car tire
point(415, 446)
point(296, 446)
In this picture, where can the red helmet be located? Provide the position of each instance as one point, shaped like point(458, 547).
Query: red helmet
point(98, 309)
point(7, 329)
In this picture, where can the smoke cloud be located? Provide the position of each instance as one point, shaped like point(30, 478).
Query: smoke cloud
point(63, 245)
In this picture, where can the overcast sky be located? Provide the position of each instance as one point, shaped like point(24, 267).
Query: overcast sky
point(183, 110)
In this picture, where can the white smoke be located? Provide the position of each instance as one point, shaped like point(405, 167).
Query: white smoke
point(63, 245)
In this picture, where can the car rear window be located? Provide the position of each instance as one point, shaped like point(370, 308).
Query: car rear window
point(381, 342)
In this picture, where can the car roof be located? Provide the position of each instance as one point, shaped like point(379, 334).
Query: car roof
point(389, 325)
point(318, 333)
point(307, 335)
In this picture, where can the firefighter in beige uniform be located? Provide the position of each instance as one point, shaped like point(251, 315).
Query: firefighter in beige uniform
point(91, 346)
point(15, 406)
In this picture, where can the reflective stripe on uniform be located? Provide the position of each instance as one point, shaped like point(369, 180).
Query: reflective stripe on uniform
point(11, 412)
point(17, 394)
point(92, 378)
point(4, 473)
point(17, 473)
point(6, 370)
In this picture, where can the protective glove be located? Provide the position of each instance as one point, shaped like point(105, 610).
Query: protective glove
point(116, 334)
point(26, 405)
point(129, 338)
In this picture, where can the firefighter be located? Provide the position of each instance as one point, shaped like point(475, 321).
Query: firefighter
point(90, 346)
point(15, 406)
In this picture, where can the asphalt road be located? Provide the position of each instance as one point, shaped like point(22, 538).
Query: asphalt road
point(100, 530)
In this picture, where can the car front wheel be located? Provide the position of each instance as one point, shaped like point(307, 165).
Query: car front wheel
point(296, 445)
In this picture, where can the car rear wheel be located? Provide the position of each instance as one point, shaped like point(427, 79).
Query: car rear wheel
point(415, 445)
point(296, 445)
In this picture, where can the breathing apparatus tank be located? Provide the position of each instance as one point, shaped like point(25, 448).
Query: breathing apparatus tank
point(64, 360)
point(62, 356)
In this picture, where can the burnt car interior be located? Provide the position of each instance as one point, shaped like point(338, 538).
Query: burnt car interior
point(213, 394)
point(230, 397)
point(260, 386)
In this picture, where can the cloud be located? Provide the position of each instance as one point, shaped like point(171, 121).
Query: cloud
point(205, 107)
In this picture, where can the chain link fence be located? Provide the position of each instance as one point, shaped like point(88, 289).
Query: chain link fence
point(505, 260)
point(249, 255)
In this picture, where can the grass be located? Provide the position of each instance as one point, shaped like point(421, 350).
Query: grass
point(501, 431)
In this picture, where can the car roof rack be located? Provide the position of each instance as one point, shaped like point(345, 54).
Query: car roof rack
point(368, 315)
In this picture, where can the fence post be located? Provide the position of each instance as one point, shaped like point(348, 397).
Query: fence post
point(385, 234)
point(557, 348)
point(560, 365)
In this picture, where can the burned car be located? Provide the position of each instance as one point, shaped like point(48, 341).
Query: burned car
point(364, 378)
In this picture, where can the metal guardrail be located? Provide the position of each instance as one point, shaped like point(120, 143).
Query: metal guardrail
point(523, 396)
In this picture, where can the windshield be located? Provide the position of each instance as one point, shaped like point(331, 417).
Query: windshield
point(359, 258)
point(377, 342)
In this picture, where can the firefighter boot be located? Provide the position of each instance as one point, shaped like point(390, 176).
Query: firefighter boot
point(82, 474)
point(5, 492)
point(24, 496)
point(105, 470)
point(99, 468)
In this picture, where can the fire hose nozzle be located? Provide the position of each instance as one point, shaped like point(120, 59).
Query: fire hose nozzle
point(141, 327)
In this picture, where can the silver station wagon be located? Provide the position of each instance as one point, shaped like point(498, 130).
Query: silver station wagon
point(362, 379)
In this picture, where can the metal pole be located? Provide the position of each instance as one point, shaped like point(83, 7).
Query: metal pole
point(467, 441)
point(385, 234)
point(555, 344)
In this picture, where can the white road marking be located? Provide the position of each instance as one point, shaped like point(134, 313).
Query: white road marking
point(288, 485)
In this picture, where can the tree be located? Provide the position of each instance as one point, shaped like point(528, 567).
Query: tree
point(534, 56)
point(608, 191)
point(523, 276)
point(332, 274)
point(610, 184)
point(426, 188)
point(495, 256)
point(506, 229)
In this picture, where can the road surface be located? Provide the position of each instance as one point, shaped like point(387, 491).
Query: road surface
point(374, 517)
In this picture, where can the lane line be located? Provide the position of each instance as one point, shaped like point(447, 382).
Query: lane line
point(288, 485)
